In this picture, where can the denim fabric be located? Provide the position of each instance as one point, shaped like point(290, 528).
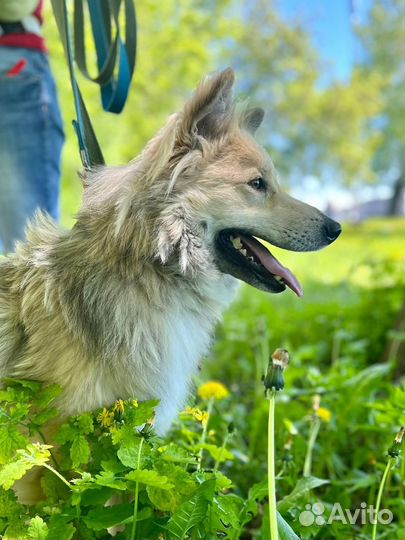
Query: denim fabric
point(31, 140)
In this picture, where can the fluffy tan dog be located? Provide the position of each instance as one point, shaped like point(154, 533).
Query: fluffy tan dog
point(124, 304)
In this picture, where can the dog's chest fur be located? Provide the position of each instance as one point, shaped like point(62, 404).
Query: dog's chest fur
point(160, 346)
point(106, 340)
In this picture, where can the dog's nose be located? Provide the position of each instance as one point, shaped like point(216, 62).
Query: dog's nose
point(332, 230)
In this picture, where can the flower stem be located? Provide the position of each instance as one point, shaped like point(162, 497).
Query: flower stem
point(221, 451)
point(50, 451)
point(272, 469)
point(136, 499)
point(311, 443)
point(204, 433)
point(49, 467)
point(379, 496)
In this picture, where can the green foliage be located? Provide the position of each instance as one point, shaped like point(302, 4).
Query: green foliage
point(336, 338)
point(342, 127)
point(177, 43)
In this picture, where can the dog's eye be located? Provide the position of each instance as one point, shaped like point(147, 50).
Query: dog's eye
point(258, 184)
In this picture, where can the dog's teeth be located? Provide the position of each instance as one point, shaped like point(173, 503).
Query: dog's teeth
point(251, 259)
point(279, 279)
point(237, 244)
point(243, 251)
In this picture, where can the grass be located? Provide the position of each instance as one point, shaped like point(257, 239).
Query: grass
point(335, 421)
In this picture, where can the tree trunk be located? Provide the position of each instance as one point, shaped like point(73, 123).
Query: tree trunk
point(397, 201)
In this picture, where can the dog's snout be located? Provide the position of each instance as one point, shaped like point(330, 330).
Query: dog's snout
point(332, 230)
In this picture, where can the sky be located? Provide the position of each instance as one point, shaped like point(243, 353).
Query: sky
point(330, 25)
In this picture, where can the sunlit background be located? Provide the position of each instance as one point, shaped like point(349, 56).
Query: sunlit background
point(329, 74)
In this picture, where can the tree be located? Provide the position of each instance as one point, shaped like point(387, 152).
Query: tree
point(177, 45)
point(382, 36)
point(312, 129)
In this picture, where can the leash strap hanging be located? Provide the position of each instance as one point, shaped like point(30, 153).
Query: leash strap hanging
point(110, 52)
point(114, 91)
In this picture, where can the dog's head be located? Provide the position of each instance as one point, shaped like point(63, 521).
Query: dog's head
point(212, 190)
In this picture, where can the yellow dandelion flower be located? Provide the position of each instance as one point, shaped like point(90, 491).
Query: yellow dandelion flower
point(135, 403)
point(213, 389)
point(193, 411)
point(324, 414)
point(205, 416)
point(198, 414)
point(105, 418)
point(119, 406)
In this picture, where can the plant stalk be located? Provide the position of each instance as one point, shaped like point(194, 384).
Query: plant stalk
point(316, 423)
point(204, 433)
point(379, 496)
point(49, 467)
point(136, 499)
point(221, 452)
point(271, 454)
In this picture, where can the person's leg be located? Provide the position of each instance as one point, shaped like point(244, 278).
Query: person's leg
point(31, 140)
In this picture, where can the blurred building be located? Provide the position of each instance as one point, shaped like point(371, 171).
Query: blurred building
point(368, 209)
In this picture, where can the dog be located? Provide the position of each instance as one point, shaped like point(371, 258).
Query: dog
point(124, 304)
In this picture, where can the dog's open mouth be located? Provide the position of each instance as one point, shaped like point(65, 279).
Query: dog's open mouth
point(244, 257)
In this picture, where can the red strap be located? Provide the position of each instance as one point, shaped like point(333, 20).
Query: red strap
point(17, 68)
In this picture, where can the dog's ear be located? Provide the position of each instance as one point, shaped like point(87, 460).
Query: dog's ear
point(251, 119)
point(209, 111)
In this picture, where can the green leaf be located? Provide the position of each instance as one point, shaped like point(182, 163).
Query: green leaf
point(8, 395)
point(218, 453)
point(285, 530)
point(37, 529)
point(259, 491)
point(79, 451)
point(60, 529)
point(107, 479)
point(176, 454)
point(367, 375)
point(66, 433)
point(10, 440)
point(108, 516)
point(222, 481)
point(192, 512)
point(16, 528)
point(170, 499)
point(96, 496)
point(35, 386)
point(85, 423)
point(45, 416)
point(48, 394)
point(228, 508)
point(35, 453)
point(128, 455)
point(12, 472)
point(19, 412)
point(302, 487)
point(9, 505)
point(149, 478)
point(143, 413)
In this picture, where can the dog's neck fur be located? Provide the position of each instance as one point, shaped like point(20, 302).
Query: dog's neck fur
point(142, 326)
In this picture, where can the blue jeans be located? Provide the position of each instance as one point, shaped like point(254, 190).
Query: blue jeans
point(31, 141)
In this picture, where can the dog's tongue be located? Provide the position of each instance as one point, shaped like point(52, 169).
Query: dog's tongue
point(272, 264)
